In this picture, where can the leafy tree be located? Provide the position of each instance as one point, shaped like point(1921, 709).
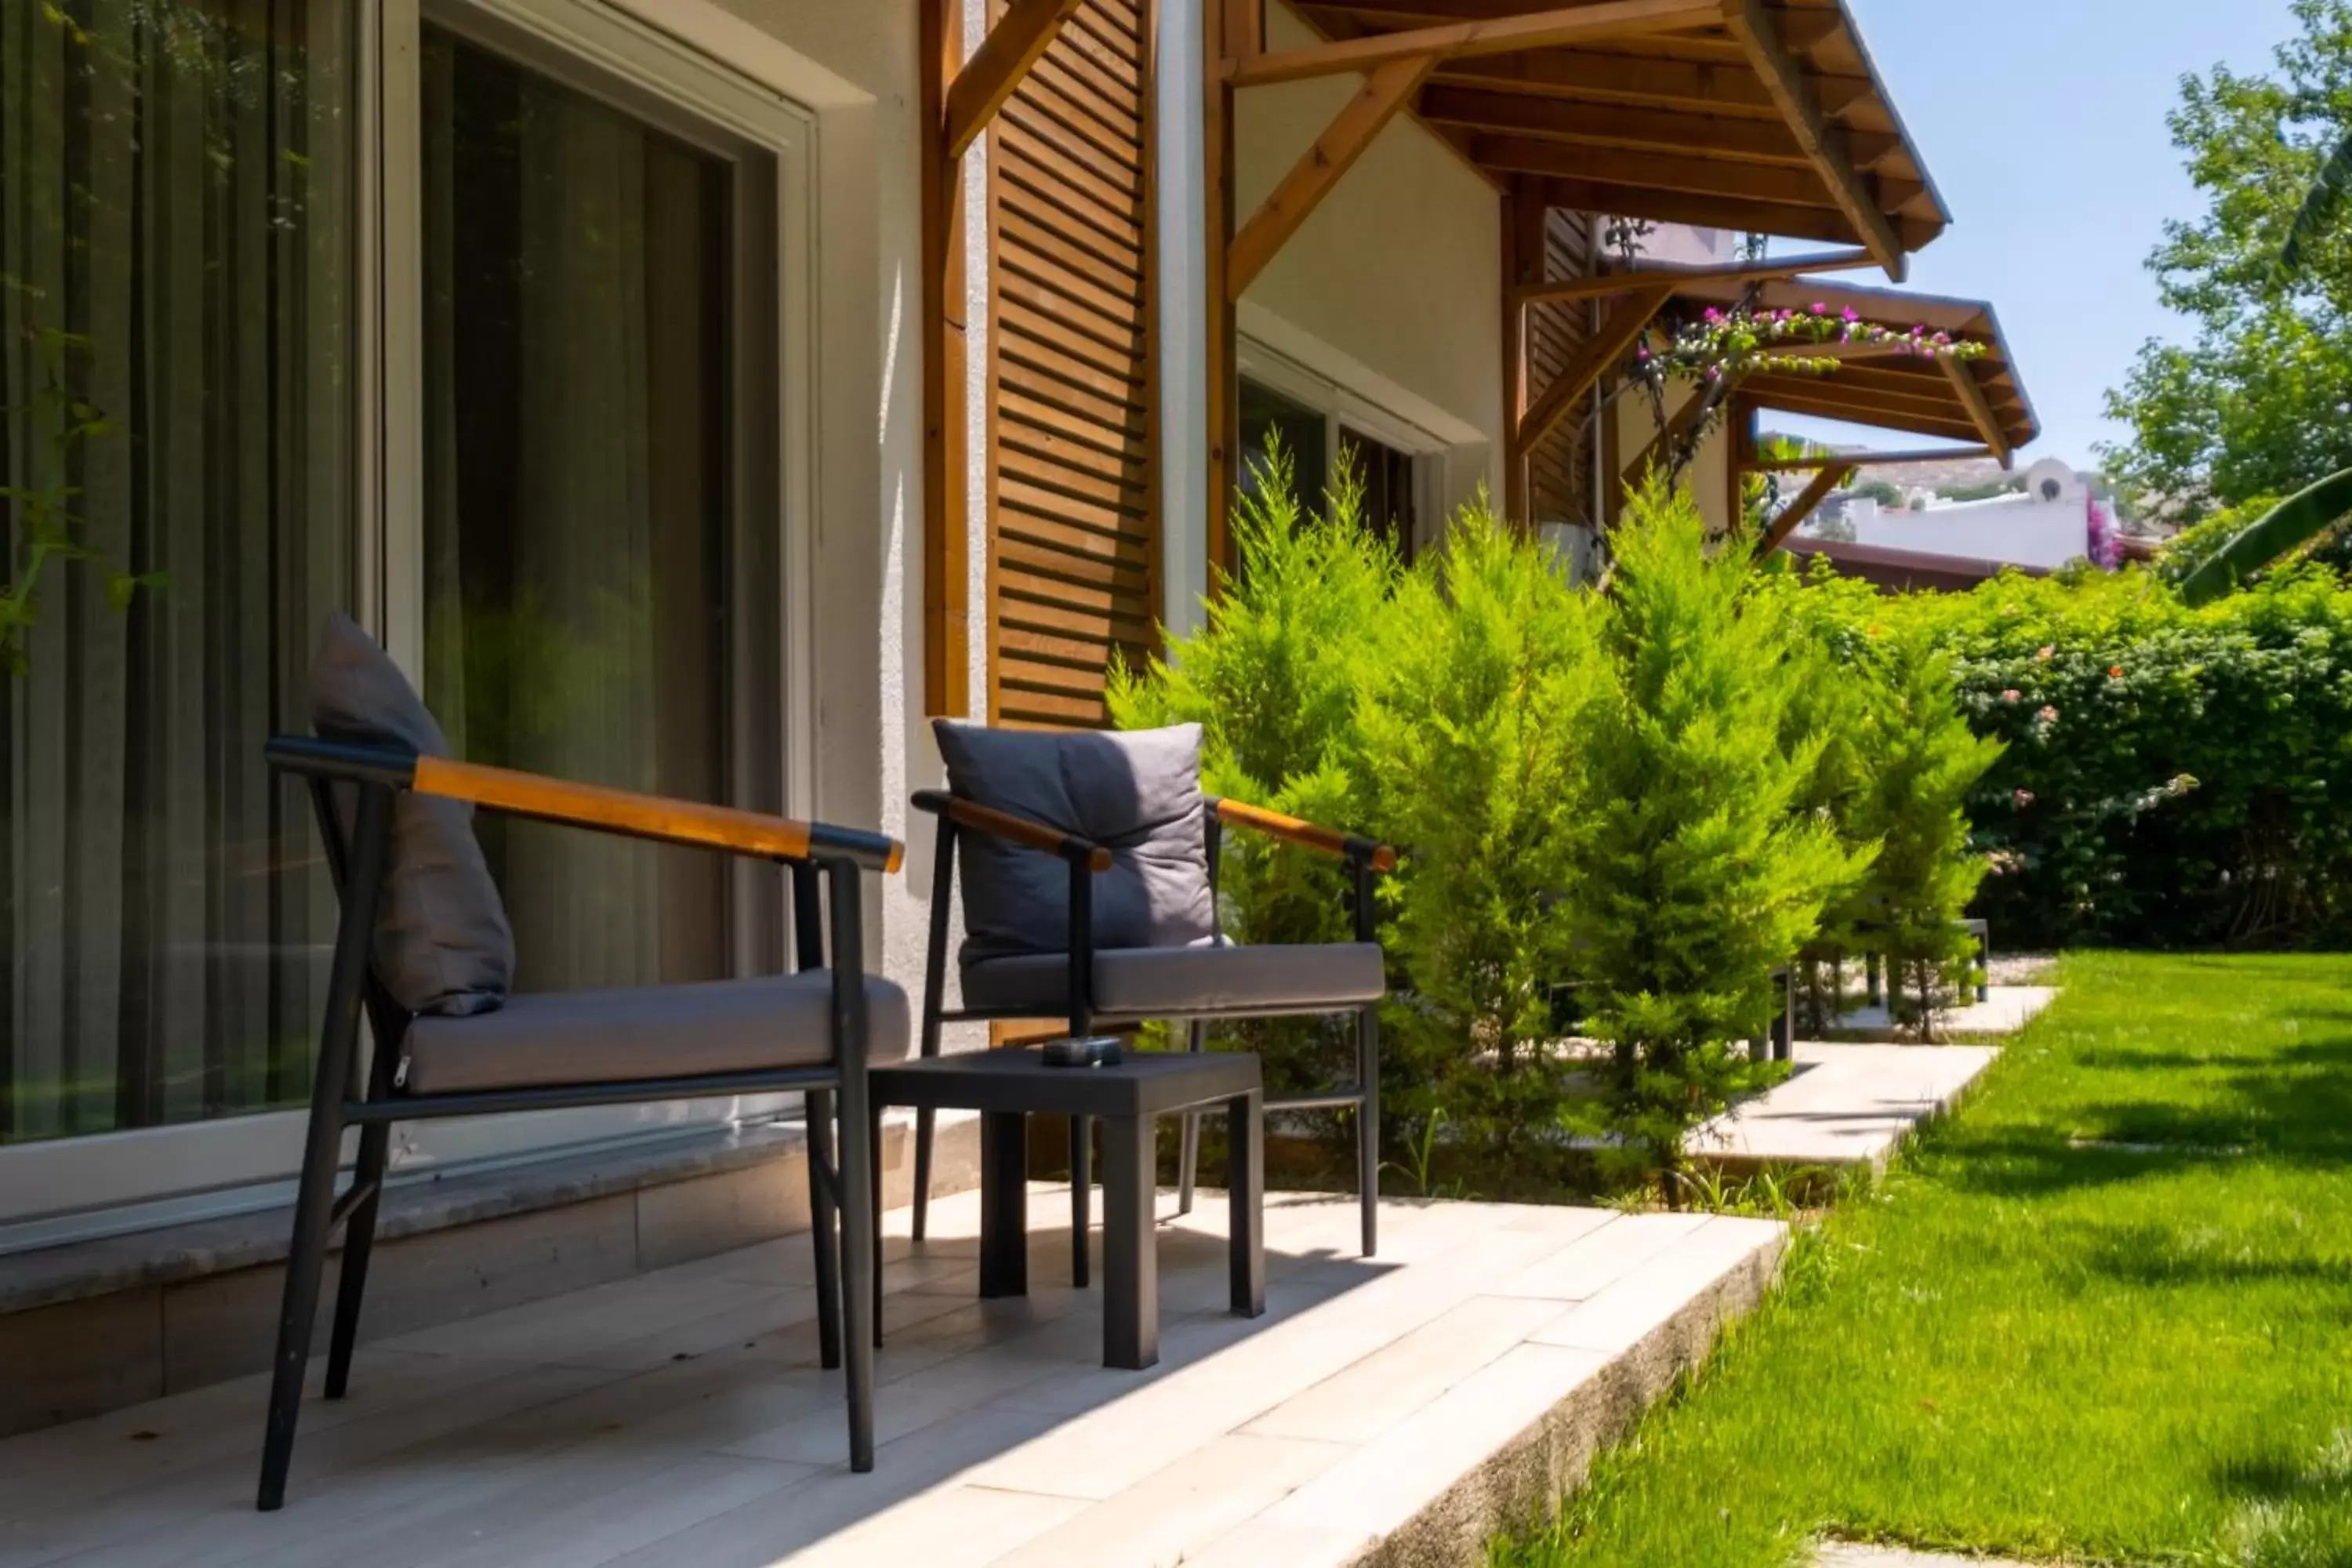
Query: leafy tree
point(2257, 402)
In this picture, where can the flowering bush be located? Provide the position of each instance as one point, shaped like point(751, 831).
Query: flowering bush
point(2173, 777)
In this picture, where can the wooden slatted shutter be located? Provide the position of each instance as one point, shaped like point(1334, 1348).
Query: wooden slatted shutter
point(1072, 466)
point(1559, 476)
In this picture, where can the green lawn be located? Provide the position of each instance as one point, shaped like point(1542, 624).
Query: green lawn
point(2103, 1316)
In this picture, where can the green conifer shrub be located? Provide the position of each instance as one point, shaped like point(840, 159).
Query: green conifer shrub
point(1691, 877)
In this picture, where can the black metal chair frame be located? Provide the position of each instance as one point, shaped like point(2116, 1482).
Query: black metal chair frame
point(846, 1265)
point(1084, 859)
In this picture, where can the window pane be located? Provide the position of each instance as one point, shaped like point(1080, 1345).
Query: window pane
point(1268, 418)
point(577, 411)
point(176, 398)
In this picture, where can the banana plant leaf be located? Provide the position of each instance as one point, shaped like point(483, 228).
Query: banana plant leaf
point(2294, 522)
point(2320, 207)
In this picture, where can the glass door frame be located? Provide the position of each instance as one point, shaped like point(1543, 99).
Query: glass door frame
point(76, 1188)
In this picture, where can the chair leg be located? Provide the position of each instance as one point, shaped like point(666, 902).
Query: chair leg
point(824, 1219)
point(1082, 1181)
point(1188, 1148)
point(1367, 1125)
point(926, 1125)
point(306, 1263)
point(861, 1267)
point(874, 1134)
point(359, 1241)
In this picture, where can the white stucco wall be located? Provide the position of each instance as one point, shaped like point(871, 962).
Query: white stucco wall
point(853, 62)
point(1395, 280)
point(2027, 532)
point(1709, 475)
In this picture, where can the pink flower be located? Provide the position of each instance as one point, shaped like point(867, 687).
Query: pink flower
point(2011, 695)
point(1820, 309)
point(2024, 798)
point(1713, 314)
point(1851, 315)
point(2049, 651)
point(2048, 714)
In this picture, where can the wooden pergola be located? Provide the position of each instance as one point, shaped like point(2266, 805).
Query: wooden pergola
point(1756, 115)
point(1980, 402)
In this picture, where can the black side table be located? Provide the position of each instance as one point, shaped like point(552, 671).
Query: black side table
point(1008, 1087)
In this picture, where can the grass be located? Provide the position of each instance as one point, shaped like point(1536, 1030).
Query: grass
point(2105, 1315)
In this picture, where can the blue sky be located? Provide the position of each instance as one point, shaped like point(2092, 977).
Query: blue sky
point(2043, 124)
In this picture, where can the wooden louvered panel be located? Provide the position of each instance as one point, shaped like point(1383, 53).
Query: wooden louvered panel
point(1072, 449)
point(1559, 481)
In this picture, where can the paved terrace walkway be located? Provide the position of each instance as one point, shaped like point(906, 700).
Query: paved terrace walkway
point(1390, 1412)
point(1843, 1106)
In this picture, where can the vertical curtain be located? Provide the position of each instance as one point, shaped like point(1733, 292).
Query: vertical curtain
point(173, 265)
point(573, 440)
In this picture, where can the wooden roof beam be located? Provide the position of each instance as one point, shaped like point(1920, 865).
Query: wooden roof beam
point(1615, 125)
point(1608, 283)
point(1699, 175)
point(1019, 38)
point(1808, 502)
point(1739, 213)
point(1461, 41)
point(1964, 381)
point(1870, 459)
point(1784, 79)
point(1599, 354)
point(1385, 93)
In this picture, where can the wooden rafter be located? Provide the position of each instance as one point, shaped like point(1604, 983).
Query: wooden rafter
point(1808, 502)
point(1619, 125)
point(1702, 176)
point(1604, 284)
point(1745, 215)
point(1463, 40)
point(1599, 352)
point(1972, 396)
point(1019, 38)
point(1386, 91)
point(1784, 80)
point(1870, 459)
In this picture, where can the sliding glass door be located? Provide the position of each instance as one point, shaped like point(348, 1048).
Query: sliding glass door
point(468, 319)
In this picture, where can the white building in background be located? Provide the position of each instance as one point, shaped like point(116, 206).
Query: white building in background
point(2046, 526)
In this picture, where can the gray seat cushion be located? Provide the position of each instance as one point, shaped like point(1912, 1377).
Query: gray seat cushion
point(441, 942)
point(652, 1031)
point(1138, 793)
point(1169, 982)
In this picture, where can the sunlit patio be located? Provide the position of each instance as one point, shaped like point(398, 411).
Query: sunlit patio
point(1392, 1410)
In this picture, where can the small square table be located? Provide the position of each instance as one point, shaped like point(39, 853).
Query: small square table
point(1008, 1087)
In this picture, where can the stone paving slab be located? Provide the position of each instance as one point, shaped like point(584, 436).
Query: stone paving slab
point(1844, 1106)
point(1849, 1554)
point(1385, 1412)
point(2005, 1010)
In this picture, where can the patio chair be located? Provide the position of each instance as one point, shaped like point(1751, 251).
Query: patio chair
point(424, 947)
point(1089, 865)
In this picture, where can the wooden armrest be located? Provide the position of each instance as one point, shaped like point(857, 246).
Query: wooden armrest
point(650, 815)
point(1013, 829)
point(1329, 840)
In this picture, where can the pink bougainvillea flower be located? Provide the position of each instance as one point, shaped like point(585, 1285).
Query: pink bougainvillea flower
point(1820, 309)
point(2011, 695)
point(1713, 314)
point(2048, 714)
point(2024, 798)
point(1851, 314)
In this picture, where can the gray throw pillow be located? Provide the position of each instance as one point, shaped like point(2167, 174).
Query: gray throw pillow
point(1136, 793)
point(441, 942)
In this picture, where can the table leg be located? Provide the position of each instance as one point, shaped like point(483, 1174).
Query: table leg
point(1130, 1243)
point(1004, 1204)
point(1082, 1188)
point(1245, 1190)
